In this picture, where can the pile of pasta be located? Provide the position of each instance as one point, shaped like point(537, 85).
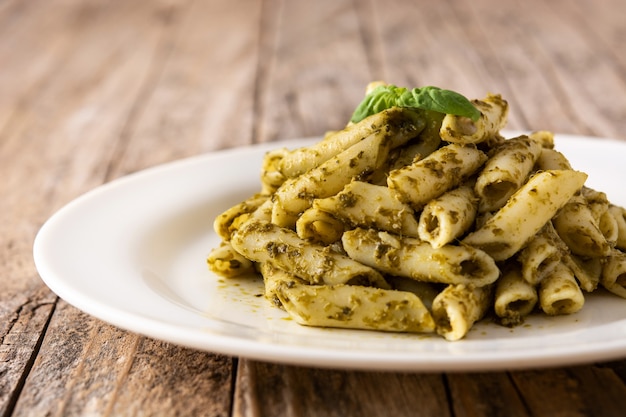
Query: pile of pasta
point(416, 221)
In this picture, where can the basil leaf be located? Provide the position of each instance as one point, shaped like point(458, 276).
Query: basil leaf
point(425, 98)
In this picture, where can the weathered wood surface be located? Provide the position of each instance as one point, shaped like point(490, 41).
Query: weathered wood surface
point(93, 90)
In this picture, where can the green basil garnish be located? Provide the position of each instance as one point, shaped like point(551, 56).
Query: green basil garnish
point(425, 98)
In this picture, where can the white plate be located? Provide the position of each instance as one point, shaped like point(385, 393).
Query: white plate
point(132, 253)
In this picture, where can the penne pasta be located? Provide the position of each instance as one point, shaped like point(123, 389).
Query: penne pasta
point(597, 201)
point(551, 159)
point(396, 124)
point(271, 177)
point(442, 170)
point(297, 194)
point(361, 204)
point(412, 258)
point(459, 129)
point(426, 291)
point(544, 138)
point(559, 292)
point(599, 206)
point(225, 223)
point(448, 216)
point(541, 254)
point(515, 298)
point(413, 153)
point(458, 307)
point(619, 214)
point(355, 307)
point(227, 262)
point(319, 226)
point(418, 148)
point(526, 212)
point(413, 220)
point(505, 172)
point(266, 242)
point(613, 276)
point(586, 270)
point(273, 279)
point(577, 227)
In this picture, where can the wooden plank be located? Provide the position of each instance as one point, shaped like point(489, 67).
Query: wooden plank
point(601, 23)
point(33, 47)
point(532, 93)
point(314, 70)
point(80, 357)
point(577, 391)
point(88, 367)
point(490, 49)
point(201, 98)
point(485, 394)
point(124, 103)
point(591, 84)
point(274, 390)
point(24, 320)
point(413, 52)
point(165, 379)
point(618, 367)
point(54, 148)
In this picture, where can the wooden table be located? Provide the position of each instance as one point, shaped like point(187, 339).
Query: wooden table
point(93, 90)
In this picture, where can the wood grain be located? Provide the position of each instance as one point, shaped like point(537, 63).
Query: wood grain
point(93, 90)
point(269, 390)
point(315, 56)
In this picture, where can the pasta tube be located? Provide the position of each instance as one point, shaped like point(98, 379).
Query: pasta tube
point(410, 257)
point(224, 223)
point(526, 212)
point(458, 129)
point(543, 137)
point(297, 194)
point(551, 159)
point(227, 262)
point(506, 171)
point(448, 216)
point(413, 153)
point(614, 273)
point(577, 227)
point(540, 255)
point(264, 212)
point(418, 148)
point(599, 206)
point(273, 279)
point(314, 263)
point(397, 124)
point(426, 291)
point(367, 205)
point(413, 220)
point(619, 214)
point(442, 170)
point(586, 270)
point(596, 200)
point(319, 226)
point(458, 307)
point(559, 292)
point(515, 298)
point(356, 307)
point(427, 142)
point(271, 177)
point(609, 228)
